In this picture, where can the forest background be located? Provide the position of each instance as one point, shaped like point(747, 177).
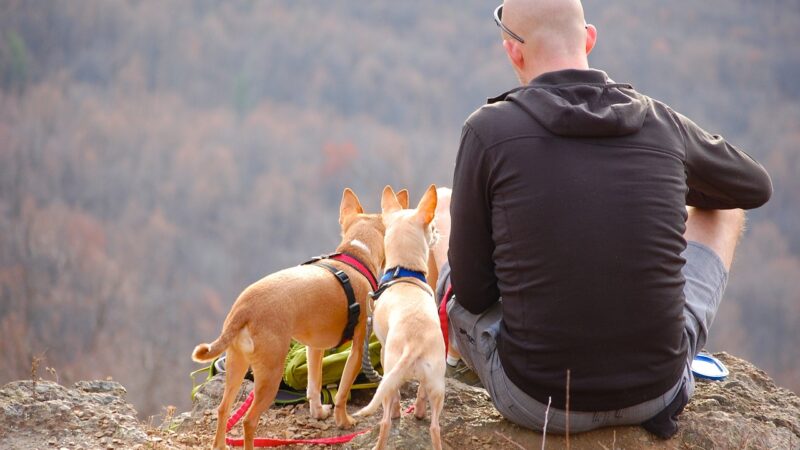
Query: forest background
point(156, 157)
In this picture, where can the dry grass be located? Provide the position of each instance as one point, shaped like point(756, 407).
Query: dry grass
point(36, 361)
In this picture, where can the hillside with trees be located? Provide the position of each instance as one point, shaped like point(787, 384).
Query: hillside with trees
point(157, 157)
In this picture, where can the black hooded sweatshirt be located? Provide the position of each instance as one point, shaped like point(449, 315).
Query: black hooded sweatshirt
point(568, 202)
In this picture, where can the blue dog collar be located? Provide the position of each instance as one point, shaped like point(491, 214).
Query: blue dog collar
point(401, 272)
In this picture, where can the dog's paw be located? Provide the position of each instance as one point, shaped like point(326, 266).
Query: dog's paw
point(320, 411)
point(346, 423)
point(344, 420)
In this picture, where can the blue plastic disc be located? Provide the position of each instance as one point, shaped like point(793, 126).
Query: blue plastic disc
point(707, 367)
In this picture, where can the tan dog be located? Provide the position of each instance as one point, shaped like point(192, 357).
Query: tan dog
point(405, 318)
point(306, 303)
point(440, 248)
point(442, 224)
point(438, 253)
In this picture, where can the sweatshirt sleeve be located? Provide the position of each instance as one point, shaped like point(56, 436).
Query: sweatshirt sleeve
point(471, 244)
point(719, 175)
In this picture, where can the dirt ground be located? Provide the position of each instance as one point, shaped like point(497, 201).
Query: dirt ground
point(196, 429)
point(279, 422)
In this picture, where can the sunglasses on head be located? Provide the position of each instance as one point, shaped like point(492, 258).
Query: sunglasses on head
point(498, 15)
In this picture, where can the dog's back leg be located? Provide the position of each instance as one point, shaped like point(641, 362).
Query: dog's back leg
point(436, 398)
point(420, 404)
point(267, 362)
point(235, 369)
point(386, 422)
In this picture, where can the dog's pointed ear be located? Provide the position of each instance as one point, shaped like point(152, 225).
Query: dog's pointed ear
point(389, 203)
point(427, 206)
point(402, 197)
point(350, 205)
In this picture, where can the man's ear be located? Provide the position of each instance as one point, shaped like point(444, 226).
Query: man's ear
point(591, 38)
point(349, 206)
point(427, 206)
point(514, 53)
point(402, 197)
point(389, 203)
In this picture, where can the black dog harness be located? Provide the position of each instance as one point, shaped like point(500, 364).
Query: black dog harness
point(353, 308)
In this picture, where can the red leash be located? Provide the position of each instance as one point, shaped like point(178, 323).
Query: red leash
point(273, 442)
point(443, 318)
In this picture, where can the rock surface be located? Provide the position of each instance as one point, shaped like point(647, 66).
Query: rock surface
point(746, 411)
point(209, 395)
point(91, 414)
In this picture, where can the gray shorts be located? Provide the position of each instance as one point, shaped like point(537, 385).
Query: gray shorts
point(475, 337)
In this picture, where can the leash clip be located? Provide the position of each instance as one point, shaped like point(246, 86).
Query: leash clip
point(377, 293)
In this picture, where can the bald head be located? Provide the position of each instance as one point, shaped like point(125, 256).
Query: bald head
point(554, 31)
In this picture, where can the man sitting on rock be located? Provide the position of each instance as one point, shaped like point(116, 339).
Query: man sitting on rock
point(582, 280)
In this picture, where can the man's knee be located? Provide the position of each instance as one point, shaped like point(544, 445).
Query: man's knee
point(717, 229)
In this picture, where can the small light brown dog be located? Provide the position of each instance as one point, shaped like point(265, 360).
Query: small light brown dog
point(405, 318)
point(438, 254)
point(306, 303)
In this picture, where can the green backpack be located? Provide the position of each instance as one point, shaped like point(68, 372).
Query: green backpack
point(295, 372)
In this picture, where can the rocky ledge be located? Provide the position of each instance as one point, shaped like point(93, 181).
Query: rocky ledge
point(745, 411)
point(91, 414)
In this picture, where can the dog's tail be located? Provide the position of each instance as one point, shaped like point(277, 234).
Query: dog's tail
point(207, 352)
point(390, 383)
point(230, 331)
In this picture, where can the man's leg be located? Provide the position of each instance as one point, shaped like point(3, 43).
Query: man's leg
point(475, 336)
point(717, 229)
point(466, 328)
point(712, 236)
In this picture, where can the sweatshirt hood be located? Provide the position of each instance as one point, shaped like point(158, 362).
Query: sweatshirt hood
point(581, 103)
